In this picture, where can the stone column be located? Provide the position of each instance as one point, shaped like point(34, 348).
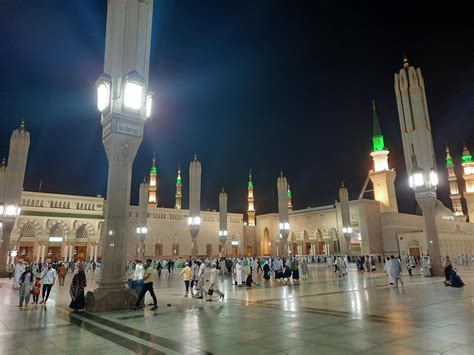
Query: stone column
point(7, 228)
point(428, 205)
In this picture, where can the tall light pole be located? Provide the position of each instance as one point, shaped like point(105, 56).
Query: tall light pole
point(284, 225)
point(223, 232)
point(142, 228)
point(11, 187)
point(124, 101)
point(194, 219)
point(346, 217)
point(419, 154)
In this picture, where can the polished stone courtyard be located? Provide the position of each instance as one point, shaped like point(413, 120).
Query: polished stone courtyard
point(323, 315)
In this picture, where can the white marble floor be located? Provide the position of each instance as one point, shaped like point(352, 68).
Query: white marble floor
point(323, 315)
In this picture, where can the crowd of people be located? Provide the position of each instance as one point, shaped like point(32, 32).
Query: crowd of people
point(201, 276)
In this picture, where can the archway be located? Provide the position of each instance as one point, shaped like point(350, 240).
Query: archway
point(55, 242)
point(175, 249)
point(158, 249)
point(26, 242)
point(266, 242)
point(80, 244)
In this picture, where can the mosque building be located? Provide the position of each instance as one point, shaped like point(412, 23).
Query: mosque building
point(68, 227)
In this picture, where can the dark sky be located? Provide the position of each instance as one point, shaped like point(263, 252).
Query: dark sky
point(268, 85)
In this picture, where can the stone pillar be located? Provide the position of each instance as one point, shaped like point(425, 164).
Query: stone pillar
point(428, 205)
point(7, 228)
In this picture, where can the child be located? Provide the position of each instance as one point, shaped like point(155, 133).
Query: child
point(249, 281)
point(36, 290)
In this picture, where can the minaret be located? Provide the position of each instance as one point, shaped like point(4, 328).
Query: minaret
point(382, 177)
point(284, 225)
point(290, 204)
point(142, 228)
point(152, 193)
point(419, 154)
point(178, 195)
point(13, 186)
point(250, 199)
point(194, 219)
point(468, 176)
point(453, 186)
point(3, 175)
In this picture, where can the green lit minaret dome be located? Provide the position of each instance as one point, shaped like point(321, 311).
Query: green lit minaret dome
point(250, 178)
point(466, 155)
point(449, 158)
point(377, 139)
point(178, 179)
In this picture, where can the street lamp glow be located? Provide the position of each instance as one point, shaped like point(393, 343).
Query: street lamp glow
point(287, 226)
point(281, 226)
point(190, 220)
point(197, 220)
point(103, 96)
point(418, 179)
point(133, 95)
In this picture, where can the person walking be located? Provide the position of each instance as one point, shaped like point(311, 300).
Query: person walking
point(26, 284)
point(62, 274)
point(186, 274)
point(238, 274)
point(200, 282)
point(213, 284)
point(36, 290)
point(76, 290)
point(49, 277)
point(147, 286)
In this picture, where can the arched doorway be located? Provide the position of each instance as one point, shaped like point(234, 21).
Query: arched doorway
point(414, 248)
point(55, 242)
point(26, 242)
point(294, 249)
point(266, 242)
point(80, 244)
point(307, 248)
point(158, 249)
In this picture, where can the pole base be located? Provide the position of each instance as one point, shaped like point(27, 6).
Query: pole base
point(103, 300)
point(437, 270)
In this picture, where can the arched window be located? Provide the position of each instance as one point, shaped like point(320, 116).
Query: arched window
point(266, 242)
point(81, 232)
point(209, 250)
point(28, 231)
point(158, 249)
point(56, 231)
point(175, 249)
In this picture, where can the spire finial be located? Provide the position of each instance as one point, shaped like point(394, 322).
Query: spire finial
point(373, 104)
point(281, 173)
point(22, 125)
point(195, 156)
point(223, 190)
point(405, 61)
point(342, 185)
point(4, 162)
point(179, 168)
point(250, 174)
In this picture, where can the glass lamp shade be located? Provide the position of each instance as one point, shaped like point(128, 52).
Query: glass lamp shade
point(190, 220)
point(148, 104)
point(103, 96)
point(418, 179)
point(433, 178)
point(133, 95)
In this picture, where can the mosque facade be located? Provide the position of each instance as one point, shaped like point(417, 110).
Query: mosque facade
point(67, 227)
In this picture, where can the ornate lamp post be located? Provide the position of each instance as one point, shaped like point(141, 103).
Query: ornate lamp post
point(282, 188)
point(124, 102)
point(194, 219)
point(11, 186)
point(223, 221)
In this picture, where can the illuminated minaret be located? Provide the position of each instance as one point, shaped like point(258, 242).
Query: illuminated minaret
point(468, 176)
point(250, 199)
point(382, 177)
point(453, 185)
point(178, 195)
point(290, 204)
point(152, 192)
point(282, 191)
point(194, 219)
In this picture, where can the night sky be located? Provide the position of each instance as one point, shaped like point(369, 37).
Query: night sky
point(267, 85)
